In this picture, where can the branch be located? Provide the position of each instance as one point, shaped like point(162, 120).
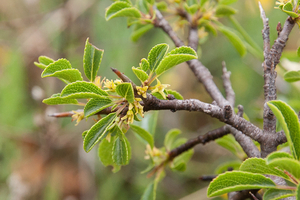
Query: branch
point(201, 139)
point(230, 95)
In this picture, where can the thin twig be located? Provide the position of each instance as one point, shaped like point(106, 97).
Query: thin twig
point(230, 95)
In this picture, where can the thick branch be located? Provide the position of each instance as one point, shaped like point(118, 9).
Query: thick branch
point(201, 139)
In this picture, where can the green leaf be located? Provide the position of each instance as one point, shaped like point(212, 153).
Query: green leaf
point(144, 65)
point(175, 57)
point(105, 153)
point(234, 39)
point(68, 75)
point(156, 54)
point(288, 164)
point(276, 194)
point(142, 75)
point(223, 10)
point(298, 192)
point(162, 5)
point(149, 122)
point(94, 106)
point(149, 193)
point(84, 134)
point(229, 143)
point(145, 135)
point(58, 65)
point(235, 181)
point(159, 96)
point(125, 90)
point(292, 76)
point(82, 90)
point(98, 131)
point(142, 5)
point(120, 150)
point(91, 60)
point(121, 9)
point(288, 119)
point(278, 154)
point(140, 32)
point(298, 52)
point(227, 2)
point(288, 9)
point(179, 163)
point(170, 138)
point(55, 99)
point(224, 167)
point(45, 60)
point(176, 94)
point(259, 166)
point(39, 65)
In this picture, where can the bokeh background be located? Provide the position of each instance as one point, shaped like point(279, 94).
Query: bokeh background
point(42, 157)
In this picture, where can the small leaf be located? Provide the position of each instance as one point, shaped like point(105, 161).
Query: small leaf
point(162, 5)
point(290, 124)
point(141, 31)
point(149, 122)
point(98, 131)
point(276, 194)
point(176, 94)
point(120, 151)
point(45, 60)
point(69, 75)
point(170, 138)
point(145, 135)
point(91, 60)
point(125, 90)
point(121, 9)
point(179, 163)
point(234, 39)
point(159, 96)
point(94, 106)
point(142, 75)
point(259, 165)
point(149, 193)
point(236, 181)
point(229, 143)
point(288, 9)
point(278, 154)
point(55, 99)
point(228, 166)
point(181, 167)
point(175, 57)
point(223, 10)
point(288, 164)
point(58, 65)
point(82, 90)
point(292, 76)
point(144, 65)
point(142, 5)
point(39, 65)
point(156, 54)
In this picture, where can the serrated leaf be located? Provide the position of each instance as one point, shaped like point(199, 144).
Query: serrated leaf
point(91, 60)
point(232, 165)
point(235, 40)
point(292, 76)
point(120, 151)
point(98, 131)
point(82, 90)
point(58, 65)
point(288, 9)
point(125, 90)
point(140, 74)
point(288, 119)
point(156, 54)
point(298, 52)
point(278, 154)
point(223, 10)
point(175, 57)
point(145, 135)
point(288, 164)
point(236, 181)
point(229, 143)
point(69, 75)
point(276, 194)
point(121, 9)
point(136, 34)
point(94, 106)
point(170, 138)
point(144, 65)
point(227, 2)
point(55, 99)
point(176, 94)
point(259, 165)
point(45, 60)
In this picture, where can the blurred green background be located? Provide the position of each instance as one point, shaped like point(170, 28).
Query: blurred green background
point(42, 157)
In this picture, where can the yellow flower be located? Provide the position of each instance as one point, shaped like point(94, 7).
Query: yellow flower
point(98, 81)
point(129, 116)
point(160, 88)
point(139, 109)
point(118, 81)
point(142, 91)
point(110, 85)
point(77, 116)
